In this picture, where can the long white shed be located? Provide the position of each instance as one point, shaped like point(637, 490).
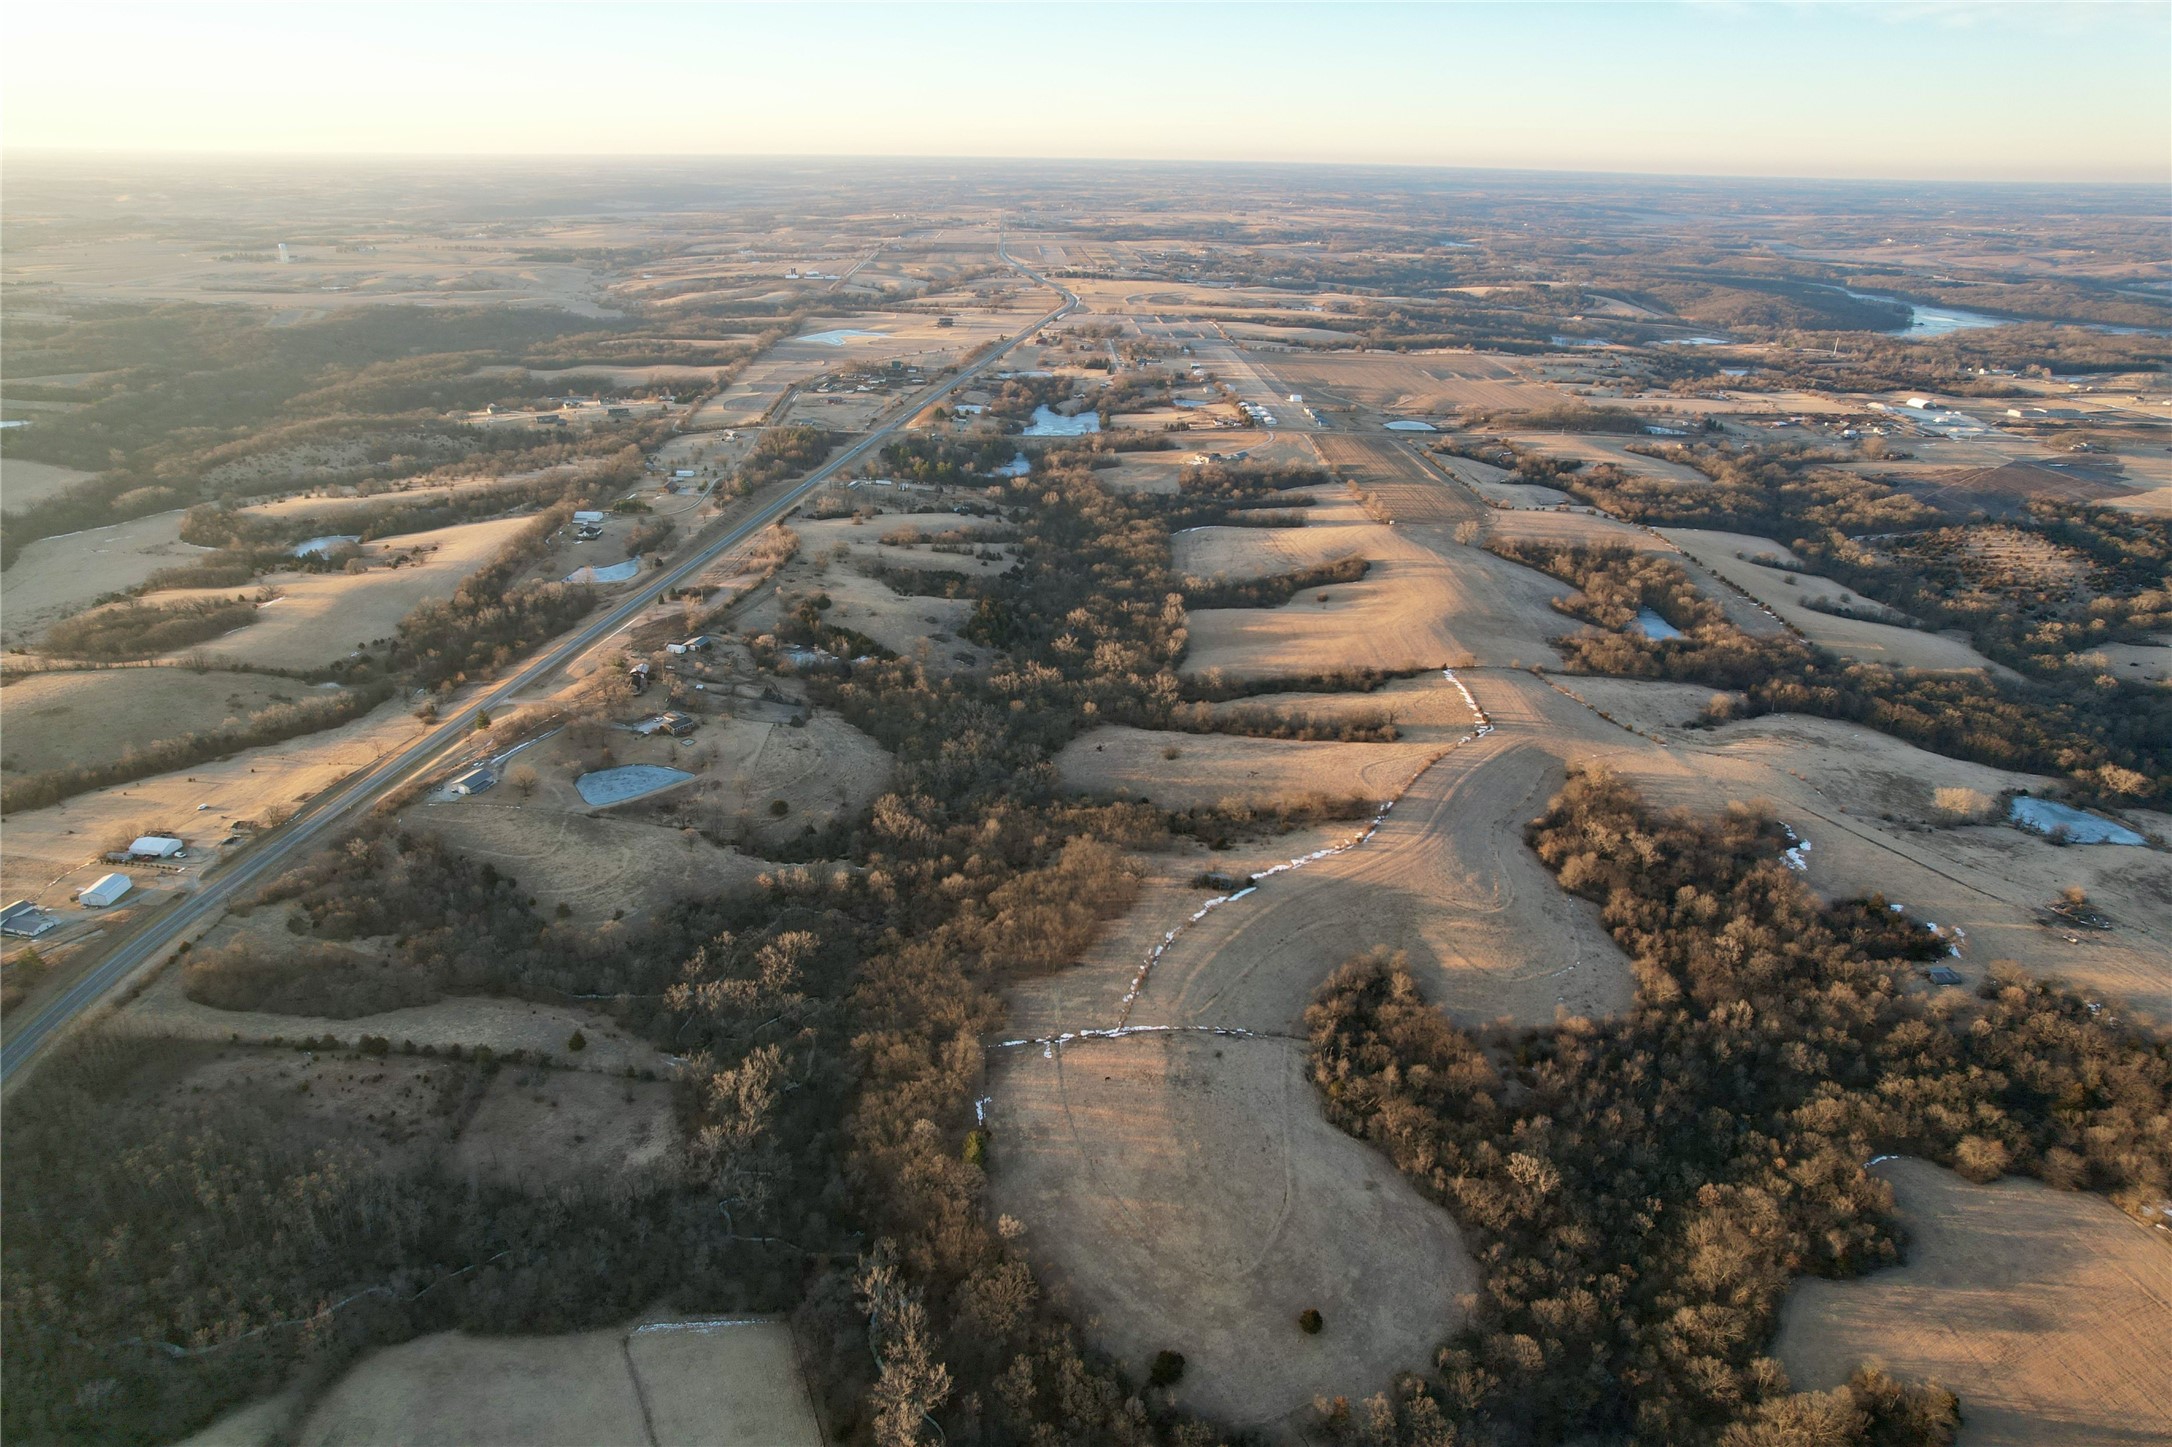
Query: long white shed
point(104, 891)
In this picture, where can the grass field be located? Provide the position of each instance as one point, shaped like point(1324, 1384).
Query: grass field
point(1409, 488)
point(1606, 448)
point(540, 1130)
point(729, 1386)
point(1181, 771)
point(1850, 637)
point(1421, 384)
point(54, 577)
point(2047, 1312)
point(1244, 553)
point(1865, 801)
point(1415, 608)
point(47, 849)
point(23, 482)
point(163, 1011)
point(319, 617)
point(1185, 1193)
point(591, 866)
point(50, 720)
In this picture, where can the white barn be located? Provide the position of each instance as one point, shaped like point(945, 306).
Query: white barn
point(104, 891)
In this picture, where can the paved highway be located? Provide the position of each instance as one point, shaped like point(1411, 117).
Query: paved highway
point(339, 804)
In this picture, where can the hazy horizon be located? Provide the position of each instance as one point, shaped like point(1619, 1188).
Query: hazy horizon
point(2043, 94)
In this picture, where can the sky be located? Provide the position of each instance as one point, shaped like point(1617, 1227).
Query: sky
point(1984, 91)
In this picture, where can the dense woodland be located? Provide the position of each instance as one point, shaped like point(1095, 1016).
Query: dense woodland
point(1640, 1191)
point(782, 452)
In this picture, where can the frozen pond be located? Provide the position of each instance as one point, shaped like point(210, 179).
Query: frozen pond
point(836, 338)
point(1018, 466)
point(1054, 424)
point(616, 786)
point(318, 547)
point(2041, 816)
point(1654, 627)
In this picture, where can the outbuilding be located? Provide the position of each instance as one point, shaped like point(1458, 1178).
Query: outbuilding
point(105, 891)
point(587, 515)
point(25, 920)
point(474, 781)
point(156, 846)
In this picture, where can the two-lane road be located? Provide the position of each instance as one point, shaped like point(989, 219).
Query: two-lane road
point(336, 806)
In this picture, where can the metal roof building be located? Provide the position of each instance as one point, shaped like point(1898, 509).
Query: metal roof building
point(105, 891)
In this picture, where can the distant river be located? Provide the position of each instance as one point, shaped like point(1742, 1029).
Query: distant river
point(1933, 321)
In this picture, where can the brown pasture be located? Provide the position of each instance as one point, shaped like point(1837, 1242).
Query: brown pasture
point(1424, 384)
point(52, 720)
point(735, 1385)
point(1856, 638)
point(320, 617)
point(1410, 488)
point(23, 482)
point(54, 577)
point(163, 1011)
point(1427, 601)
point(544, 1130)
point(1181, 771)
point(2047, 1312)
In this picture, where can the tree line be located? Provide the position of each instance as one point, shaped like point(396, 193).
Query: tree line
point(2110, 740)
point(1640, 1192)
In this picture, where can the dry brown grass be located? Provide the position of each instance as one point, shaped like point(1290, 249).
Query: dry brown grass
point(54, 577)
point(1185, 1193)
point(824, 772)
point(2047, 1312)
point(320, 617)
point(503, 1025)
point(52, 720)
point(1868, 805)
point(23, 482)
point(902, 623)
point(1243, 553)
point(1415, 609)
point(1223, 769)
point(542, 1130)
point(593, 866)
point(1850, 637)
point(1408, 487)
point(1184, 1188)
point(48, 850)
point(733, 1386)
point(1602, 447)
point(1426, 384)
